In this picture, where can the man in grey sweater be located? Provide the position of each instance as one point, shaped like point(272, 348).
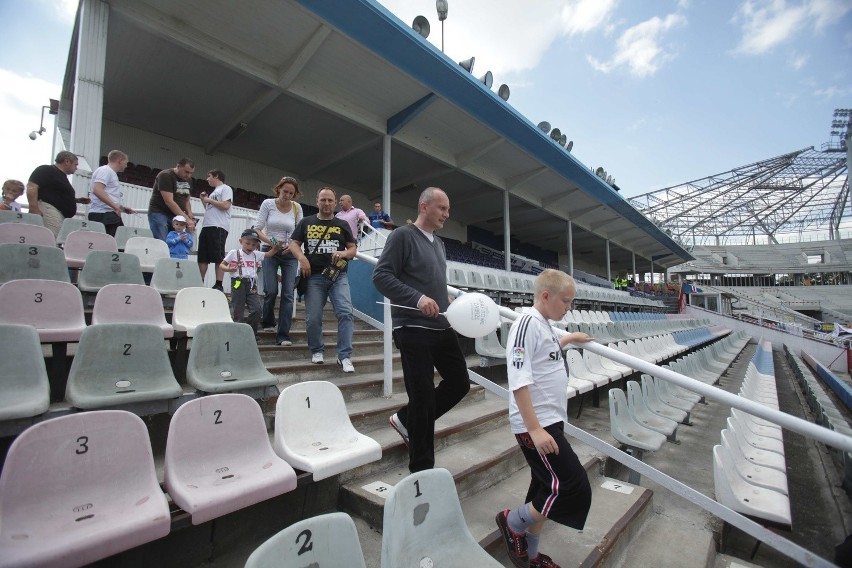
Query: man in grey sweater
point(412, 271)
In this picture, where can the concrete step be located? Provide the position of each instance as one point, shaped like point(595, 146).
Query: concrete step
point(301, 368)
point(273, 354)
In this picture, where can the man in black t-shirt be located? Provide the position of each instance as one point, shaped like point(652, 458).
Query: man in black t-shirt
point(328, 247)
point(170, 197)
point(50, 194)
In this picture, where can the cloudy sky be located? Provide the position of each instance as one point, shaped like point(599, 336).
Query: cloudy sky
point(658, 92)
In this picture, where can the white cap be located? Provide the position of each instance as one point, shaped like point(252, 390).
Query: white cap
point(179, 219)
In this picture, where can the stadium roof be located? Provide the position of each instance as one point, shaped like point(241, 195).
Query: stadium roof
point(319, 84)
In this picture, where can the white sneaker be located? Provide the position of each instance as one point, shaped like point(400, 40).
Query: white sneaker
point(286, 343)
point(400, 429)
point(347, 365)
point(270, 328)
point(317, 358)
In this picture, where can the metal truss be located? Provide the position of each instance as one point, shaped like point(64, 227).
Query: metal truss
point(806, 191)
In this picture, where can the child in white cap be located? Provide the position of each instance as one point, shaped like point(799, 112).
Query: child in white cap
point(179, 240)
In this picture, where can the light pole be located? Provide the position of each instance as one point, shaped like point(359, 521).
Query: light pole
point(442, 8)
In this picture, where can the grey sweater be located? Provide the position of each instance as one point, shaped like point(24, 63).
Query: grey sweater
point(409, 267)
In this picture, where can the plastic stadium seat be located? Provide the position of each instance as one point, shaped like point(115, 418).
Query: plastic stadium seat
point(104, 267)
point(424, 525)
point(756, 474)
point(329, 540)
point(24, 389)
point(219, 459)
point(641, 414)
point(626, 430)
point(21, 262)
point(148, 249)
point(24, 234)
point(123, 233)
point(172, 275)
point(79, 488)
point(194, 306)
point(79, 244)
point(119, 364)
point(735, 492)
point(131, 303)
point(490, 346)
point(313, 431)
point(54, 308)
point(224, 357)
point(26, 218)
point(74, 224)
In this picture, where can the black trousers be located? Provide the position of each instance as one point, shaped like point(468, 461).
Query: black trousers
point(422, 351)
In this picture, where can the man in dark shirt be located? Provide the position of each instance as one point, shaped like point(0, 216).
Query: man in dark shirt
point(412, 271)
point(170, 197)
point(50, 194)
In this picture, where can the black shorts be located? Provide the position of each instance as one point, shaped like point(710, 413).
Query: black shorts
point(559, 488)
point(211, 245)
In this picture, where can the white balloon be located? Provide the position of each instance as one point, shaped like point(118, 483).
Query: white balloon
point(473, 315)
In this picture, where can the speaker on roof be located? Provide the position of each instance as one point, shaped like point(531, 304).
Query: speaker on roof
point(544, 126)
point(421, 26)
point(503, 92)
point(563, 139)
point(555, 134)
point(570, 146)
point(487, 79)
point(467, 64)
point(609, 179)
point(600, 172)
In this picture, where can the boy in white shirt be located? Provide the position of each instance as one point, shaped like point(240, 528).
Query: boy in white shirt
point(245, 262)
point(538, 408)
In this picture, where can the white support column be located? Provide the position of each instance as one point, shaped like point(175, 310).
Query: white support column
point(635, 276)
point(87, 115)
point(608, 268)
point(507, 231)
point(570, 248)
point(652, 272)
point(387, 388)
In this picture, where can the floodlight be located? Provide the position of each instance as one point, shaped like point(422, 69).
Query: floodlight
point(443, 8)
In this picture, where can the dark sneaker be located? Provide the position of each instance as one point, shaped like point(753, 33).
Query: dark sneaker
point(543, 561)
point(516, 544)
point(218, 287)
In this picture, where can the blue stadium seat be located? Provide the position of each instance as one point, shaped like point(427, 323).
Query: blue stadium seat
point(172, 275)
point(224, 357)
point(104, 267)
point(29, 261)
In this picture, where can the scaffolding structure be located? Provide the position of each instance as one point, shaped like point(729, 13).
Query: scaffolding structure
point(795, 196)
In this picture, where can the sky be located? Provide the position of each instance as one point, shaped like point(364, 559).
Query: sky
point(658, 92)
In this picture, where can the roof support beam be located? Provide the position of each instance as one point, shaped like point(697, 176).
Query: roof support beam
point(558, 197)
point(465, 158)
point(331, 160)
point(515, 181)
point(398, 121)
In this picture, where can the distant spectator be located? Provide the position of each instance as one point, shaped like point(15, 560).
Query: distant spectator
point(217, 221)
point(170, 197)
point(12, 189)
point(105, 193)
point(276, 221)
point(352, 215)
point(244, 263)
point(379, 219)
point(51, 195)
point(179, 240)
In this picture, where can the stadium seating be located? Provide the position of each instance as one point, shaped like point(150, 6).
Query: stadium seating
point(224, 357)
point(118, 364)
point(657, 406)
point(639, 411)
point(173, 275)
point(19, 217)
point(148, 249)
point(313, 431)
point(123, 233)
point(424, 525)
point(325, 540)
point(131, 303)
point(628, 431)
point(79, 244)
point(25, 234)
point(24, 390)
point(194, 306)
point(489, 347)
point(74, 224)
point(79, 488)
point(29, 261)
point(738, 493)
point(54, 308)
point(219, 459)
point(104, 267)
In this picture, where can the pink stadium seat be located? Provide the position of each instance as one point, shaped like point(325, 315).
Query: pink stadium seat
point(219, 459)
point(131, 303)
point(54, 308)
point(79, 488)
point(79, 244)
point(25, 234)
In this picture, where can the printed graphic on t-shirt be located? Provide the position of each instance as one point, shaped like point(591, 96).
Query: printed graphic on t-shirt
point(319, 245)
point(182, 187)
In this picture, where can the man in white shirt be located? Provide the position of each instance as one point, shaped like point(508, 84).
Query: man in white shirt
point(217, 222)
point(105, 193)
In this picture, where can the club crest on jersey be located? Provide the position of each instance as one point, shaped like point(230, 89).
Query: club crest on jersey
point(518, 355)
